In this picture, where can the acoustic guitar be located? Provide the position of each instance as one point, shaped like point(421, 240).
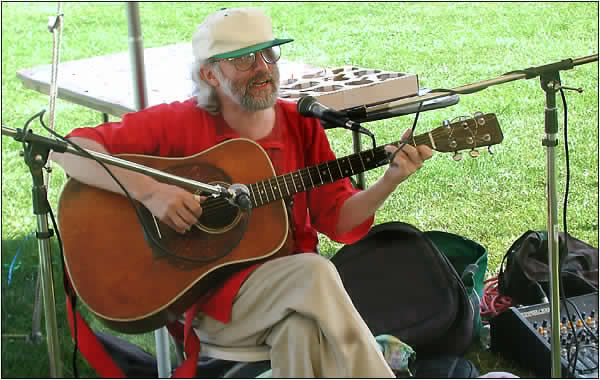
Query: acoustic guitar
point(134, 286)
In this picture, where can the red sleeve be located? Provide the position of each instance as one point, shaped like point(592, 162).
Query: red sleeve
point(158, 130)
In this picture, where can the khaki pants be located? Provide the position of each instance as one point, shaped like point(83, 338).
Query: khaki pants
point(297, 305)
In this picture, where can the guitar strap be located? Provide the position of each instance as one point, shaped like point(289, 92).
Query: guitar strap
point(87, 342)
point(97, 357)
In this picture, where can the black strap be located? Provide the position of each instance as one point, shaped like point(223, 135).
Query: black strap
point(452, 367)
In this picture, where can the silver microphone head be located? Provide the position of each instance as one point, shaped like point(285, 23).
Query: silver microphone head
point(304, 105)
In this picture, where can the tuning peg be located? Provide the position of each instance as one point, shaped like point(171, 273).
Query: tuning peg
point(457, 156)
point(474, 153)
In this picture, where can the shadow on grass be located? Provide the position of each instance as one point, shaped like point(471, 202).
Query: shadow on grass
point(24, 346)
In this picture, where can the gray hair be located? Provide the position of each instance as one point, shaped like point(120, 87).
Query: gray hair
point(206, 95)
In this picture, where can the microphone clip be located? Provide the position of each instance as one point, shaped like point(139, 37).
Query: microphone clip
point(238, 195)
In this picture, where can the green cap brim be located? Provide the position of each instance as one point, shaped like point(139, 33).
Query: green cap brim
point(253, 48)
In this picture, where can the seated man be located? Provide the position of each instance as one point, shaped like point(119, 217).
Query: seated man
point(295, 304)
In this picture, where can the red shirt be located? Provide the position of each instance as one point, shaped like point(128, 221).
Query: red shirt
point(181, 129)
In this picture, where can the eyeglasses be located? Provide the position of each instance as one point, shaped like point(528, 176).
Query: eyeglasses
point(245, 62)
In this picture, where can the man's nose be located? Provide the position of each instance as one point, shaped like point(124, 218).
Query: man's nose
point(260, 64)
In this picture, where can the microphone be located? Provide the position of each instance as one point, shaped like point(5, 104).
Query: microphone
point(308, 106)
point(240, 196)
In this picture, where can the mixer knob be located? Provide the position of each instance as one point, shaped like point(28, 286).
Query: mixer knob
point(563, 328)
point(591, 322)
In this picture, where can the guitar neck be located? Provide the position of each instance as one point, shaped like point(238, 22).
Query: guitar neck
point(286, 185)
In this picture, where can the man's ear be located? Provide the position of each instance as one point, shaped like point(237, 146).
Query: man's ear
point(207, 74)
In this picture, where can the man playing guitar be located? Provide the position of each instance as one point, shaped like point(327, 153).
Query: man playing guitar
point(296, 304)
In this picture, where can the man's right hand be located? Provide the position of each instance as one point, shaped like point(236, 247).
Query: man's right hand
point(174, 206)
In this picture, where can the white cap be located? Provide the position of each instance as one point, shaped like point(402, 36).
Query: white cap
point(234, 32)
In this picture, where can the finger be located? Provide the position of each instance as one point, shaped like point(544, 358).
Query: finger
point(194, 205)
point(409, 153)
point(186, 215)
point(403, 160)
point(412, 154)
point(199, 198)
point(392, 152)
point(178, 224)
point(425, 152)
point(390, 148)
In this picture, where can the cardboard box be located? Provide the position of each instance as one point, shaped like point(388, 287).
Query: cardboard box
point(348, 86)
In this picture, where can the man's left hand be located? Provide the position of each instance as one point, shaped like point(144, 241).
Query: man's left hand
point(407, 161)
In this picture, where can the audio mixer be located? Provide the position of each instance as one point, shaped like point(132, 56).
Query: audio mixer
point(524, 334)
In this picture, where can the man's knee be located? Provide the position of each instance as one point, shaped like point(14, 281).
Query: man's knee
point(296, 329)
point(318, 266)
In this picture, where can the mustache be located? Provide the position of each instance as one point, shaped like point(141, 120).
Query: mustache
point(261, 78)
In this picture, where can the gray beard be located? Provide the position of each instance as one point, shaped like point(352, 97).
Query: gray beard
point(240, 95)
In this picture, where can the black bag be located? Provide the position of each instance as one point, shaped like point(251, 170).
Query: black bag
point(526, 276)
point(133, 361)
point(139, 364)
point(402, 285)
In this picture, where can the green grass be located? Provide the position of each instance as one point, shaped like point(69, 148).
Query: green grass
point(492, 199)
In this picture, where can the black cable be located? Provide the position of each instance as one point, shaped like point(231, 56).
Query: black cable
point(564, 246)
point(562, 294)
point(567, 170)
point(412, 133)
point(71, 293)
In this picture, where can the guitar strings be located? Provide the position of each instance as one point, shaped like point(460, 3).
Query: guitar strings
point(289, 183)
point(349, 162)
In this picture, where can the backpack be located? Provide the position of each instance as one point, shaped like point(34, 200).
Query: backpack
point(403, 285)
point(135, 362)
point(525, 278)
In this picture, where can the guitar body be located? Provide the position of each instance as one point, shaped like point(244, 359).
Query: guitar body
point(133, 288)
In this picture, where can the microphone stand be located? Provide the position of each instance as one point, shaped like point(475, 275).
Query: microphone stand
point(550, 83)
point(36, 157)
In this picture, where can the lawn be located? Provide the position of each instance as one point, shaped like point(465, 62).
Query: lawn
point(492, 199)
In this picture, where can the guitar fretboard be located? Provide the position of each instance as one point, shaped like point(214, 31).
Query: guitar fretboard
point(286, 185)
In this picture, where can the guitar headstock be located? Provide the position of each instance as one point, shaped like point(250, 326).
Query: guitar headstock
point(467, 133)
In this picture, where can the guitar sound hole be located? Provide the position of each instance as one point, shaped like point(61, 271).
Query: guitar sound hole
point(218, 216)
